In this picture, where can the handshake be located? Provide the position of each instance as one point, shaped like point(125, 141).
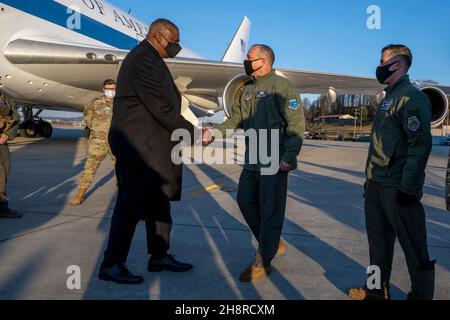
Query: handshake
point(207, 136)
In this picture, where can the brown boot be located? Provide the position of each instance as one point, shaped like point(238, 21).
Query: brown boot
point(281, 248)
point(255, 272)
point(79, 198)
point(366, 294)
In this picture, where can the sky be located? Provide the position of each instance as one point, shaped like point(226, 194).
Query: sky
point(321, 35)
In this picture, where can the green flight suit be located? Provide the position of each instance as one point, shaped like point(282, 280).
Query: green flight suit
point(398, 153)
point(9, 124)
point(267, 103)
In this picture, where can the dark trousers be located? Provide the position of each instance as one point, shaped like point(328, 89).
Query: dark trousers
point(262, 200)
point(386, 220)
point(4, 173)
point(139, 198)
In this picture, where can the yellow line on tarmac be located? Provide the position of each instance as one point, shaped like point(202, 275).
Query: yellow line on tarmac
point(207, 189)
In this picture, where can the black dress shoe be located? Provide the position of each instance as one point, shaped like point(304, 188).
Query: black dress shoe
point(11, 214)
point(119, 274)
point(168, 263)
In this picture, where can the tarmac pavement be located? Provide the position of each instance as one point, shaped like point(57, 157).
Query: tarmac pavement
point(327, 250)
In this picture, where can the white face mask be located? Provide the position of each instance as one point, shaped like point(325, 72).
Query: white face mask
point(110, 94)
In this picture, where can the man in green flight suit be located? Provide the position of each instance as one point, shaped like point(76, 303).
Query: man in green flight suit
point(398, 154)
point(268, 103)
point(9, 123)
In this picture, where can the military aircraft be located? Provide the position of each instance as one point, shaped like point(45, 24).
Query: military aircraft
point(54, 55)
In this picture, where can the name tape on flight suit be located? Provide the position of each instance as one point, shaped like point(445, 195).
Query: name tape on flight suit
point(262, 94)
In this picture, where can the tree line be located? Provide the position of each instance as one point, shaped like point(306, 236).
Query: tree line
point(356, 105)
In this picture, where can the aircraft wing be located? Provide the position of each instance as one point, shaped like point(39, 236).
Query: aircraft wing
point(205, 77)
point(201, 81)
point(319, 83)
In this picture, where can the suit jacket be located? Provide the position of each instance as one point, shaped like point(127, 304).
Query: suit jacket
point(147, 109)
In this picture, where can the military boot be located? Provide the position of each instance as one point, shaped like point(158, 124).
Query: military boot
point(366, 294)
point(11, 214)
point(256, 271)
point(281, 248)
point(5, 211)
point(79, 198)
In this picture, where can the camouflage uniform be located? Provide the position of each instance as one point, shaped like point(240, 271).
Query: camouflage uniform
point(9, 123)
point(97, 115)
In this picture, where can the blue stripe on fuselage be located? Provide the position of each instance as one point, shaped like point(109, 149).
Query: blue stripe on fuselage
point(56, 13)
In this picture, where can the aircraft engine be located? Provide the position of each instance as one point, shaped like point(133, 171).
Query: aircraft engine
point(440, 104)
point(231, 91)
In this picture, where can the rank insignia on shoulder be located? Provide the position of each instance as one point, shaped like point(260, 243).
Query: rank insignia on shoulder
point(293, 104)
point(413, 124)
point(385, 105)
point(261, 94)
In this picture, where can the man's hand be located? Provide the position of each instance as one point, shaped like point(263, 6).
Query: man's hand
point(284, 166)
point(406, 199)
point(3, 139)
point(207, 136)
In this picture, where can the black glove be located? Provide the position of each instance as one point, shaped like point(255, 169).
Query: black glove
point(428, 266)
point(406, 199)
point(366, 185)
point(87, 132)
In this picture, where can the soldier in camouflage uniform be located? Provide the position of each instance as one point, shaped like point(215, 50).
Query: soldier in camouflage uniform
point(398, 154)
point(98, 116)
point(267, 102)
point(9, 123)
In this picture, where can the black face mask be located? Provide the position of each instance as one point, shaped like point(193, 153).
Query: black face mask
point(383, 72)
point(172, 48)
point(248, 65)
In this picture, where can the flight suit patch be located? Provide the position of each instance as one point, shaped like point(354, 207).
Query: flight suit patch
point(413, 124)
point(385, 105)
point(293, 104)
point(248, 96)
point(262, 94)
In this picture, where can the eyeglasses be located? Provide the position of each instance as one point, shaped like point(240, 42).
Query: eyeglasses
point(168, 39)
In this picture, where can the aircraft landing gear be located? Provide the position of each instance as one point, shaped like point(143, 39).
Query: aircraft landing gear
point(33, 126)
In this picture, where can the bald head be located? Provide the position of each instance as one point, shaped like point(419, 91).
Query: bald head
point(260, 59)
point(162, 25)
point(265, 51)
